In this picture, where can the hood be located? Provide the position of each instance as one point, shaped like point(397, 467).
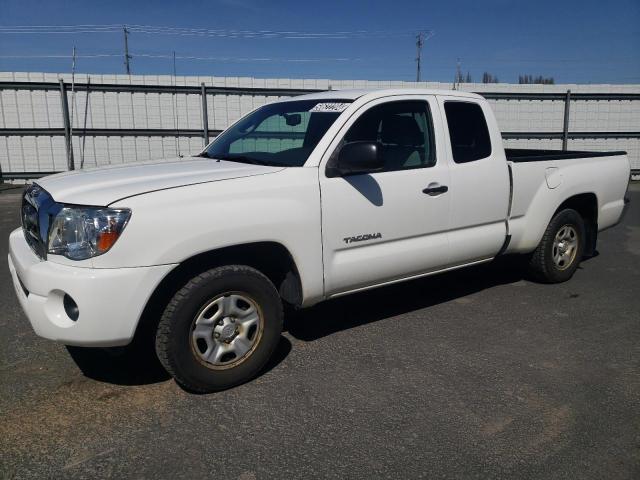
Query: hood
point(104, 185)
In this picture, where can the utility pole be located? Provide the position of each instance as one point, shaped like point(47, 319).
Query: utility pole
point(421, 37)
point(127, 57)
point(419, 43)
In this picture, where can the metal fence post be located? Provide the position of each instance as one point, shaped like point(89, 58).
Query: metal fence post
point(565, 128)
point(205, 115)
point(67, 126)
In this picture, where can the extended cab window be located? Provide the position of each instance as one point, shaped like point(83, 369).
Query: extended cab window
point(404, 130)
point(468, 131)
point(279, 134)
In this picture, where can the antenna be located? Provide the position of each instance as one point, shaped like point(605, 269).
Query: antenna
point(127, 57)
point(175, 107)
point(84, 132)
point(73, 103)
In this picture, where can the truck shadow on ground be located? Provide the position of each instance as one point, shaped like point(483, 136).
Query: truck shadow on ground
point(378, 304)
point(119, 366)
point(138, 364)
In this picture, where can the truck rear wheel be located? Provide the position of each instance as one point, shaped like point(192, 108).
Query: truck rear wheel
point(220, 329)
point(561, 248)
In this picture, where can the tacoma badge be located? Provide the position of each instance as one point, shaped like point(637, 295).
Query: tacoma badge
point(362, 238)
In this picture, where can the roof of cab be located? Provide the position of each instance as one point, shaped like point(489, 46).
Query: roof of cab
point(380, 92)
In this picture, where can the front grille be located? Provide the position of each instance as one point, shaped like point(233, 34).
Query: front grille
point(37, 207)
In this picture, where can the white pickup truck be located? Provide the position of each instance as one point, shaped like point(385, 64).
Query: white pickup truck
point(299, 201)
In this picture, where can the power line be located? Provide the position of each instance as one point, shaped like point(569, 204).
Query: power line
point(61, 26)
point(248, 59)
point(60, 55)
point(186, 57)
point(441, 65)
point(192, 31)
point(202, 32)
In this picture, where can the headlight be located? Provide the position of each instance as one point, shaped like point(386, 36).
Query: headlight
point(79, 233)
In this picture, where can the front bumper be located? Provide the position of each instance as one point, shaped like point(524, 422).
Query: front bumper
point(109, 300)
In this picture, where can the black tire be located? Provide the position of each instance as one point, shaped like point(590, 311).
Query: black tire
point(542, 266)
point(173, 337)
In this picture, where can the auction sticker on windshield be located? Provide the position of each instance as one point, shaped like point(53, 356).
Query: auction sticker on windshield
point(330, 107)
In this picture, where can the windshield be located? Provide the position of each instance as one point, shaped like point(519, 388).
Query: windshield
point(279, 134)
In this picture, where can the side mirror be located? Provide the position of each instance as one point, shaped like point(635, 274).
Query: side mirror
point(356, 157)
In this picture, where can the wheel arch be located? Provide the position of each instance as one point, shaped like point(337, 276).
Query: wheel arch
point(586, 204)
point(270, 258)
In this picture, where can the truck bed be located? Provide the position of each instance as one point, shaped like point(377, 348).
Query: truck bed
point(543, 179)
point(518, 155)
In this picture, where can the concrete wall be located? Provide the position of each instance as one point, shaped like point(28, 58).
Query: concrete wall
point(42, 109)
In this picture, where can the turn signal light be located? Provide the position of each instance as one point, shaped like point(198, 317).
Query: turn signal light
point(106, 240)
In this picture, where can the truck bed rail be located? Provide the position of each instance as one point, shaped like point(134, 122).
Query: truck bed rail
point(532, 155)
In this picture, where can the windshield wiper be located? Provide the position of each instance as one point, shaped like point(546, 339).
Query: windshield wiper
point(204, 154)
point(239, 158)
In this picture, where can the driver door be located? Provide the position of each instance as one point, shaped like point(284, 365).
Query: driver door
point(383, 226)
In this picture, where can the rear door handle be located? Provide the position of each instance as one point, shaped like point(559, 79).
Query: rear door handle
point(435, 189)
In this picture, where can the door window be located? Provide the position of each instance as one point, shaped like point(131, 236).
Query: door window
point(468, 131)
point(404, 130)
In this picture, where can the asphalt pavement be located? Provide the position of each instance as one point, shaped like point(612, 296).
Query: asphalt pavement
point(478, 373)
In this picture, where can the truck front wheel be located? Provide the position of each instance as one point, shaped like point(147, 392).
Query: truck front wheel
point(561, 248)
point(220, 329)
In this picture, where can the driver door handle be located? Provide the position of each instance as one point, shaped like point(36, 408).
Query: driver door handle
point(435, 189)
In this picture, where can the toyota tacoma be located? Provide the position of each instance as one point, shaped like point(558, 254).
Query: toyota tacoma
point(301, 200)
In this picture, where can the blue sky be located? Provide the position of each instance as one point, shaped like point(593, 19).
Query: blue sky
point(581, 41)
